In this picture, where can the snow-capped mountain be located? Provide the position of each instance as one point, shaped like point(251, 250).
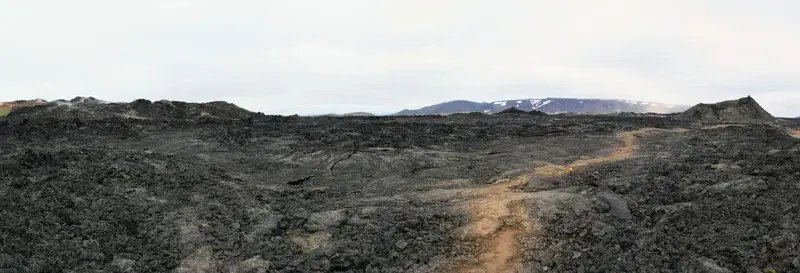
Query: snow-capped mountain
point(551, 106)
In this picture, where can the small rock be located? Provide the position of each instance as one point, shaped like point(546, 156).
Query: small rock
point(619, 207)
point(120, 264)
point(720, 166)
point(772, 152)
point(753, 270)
point(201, 260)
point(577, 255)
point(368, 210)
point(266, 220)
point(357, 221)
point(600, 229)
point(748, 183)
point(321, 265)
point(323, 220)
point(255, 264)
point(796, 262)
point(619, 184)
point(401, 244)
point(707, 265)
point(546, 268)
point(511, 221)
point(6, 260)
point(642, 242)
point(310, 242)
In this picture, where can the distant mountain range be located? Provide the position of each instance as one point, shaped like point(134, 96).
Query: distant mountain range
point(550, 106)
point(546, 105)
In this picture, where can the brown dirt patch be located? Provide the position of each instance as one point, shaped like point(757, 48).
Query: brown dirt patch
point(497, 216)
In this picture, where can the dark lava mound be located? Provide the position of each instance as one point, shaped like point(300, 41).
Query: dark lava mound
point(744, 110)
point(515, 111)
point(468, 114)
point(92, 108)
point(537, 113)
point(512, 110)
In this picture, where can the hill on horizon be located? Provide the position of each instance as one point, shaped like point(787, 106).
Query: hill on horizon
point(743, 110)
point(92, 108)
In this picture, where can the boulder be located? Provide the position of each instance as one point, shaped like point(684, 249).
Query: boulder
point(707, 265)
point(618, 205)
point(256, 264)
point(323, 220)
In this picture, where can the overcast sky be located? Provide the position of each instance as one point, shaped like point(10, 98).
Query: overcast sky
point(321, 56)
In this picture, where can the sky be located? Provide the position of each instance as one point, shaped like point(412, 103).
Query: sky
point(382, 56)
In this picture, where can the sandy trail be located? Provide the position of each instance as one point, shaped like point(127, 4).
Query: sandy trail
point(497, 214)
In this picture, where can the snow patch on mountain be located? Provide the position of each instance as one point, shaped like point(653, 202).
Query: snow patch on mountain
point(539, 104)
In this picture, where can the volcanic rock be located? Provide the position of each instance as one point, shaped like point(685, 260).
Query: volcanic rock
point(511, 111)
point(619, 208)
point(537, 113)
point(709, 266)
point(744, 110)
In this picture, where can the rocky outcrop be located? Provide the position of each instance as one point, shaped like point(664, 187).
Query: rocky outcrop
point(744, 110)
point(511, 111)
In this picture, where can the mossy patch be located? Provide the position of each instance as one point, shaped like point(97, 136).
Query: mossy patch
point(4, 111)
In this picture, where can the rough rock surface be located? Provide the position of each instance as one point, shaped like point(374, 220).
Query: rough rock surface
point(109, 193)
point(617, 204)
point(684, 212)
point(707, 265)
point(106, 193)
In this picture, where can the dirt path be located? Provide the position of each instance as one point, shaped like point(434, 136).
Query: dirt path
point(497, 213)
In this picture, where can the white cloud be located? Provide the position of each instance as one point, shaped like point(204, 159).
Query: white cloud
point(320, 56)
